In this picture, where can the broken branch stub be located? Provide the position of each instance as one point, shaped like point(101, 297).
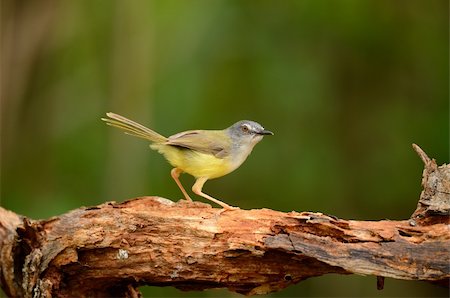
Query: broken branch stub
point(434, 202)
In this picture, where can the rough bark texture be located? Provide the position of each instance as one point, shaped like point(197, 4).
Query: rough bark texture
point(111, 249)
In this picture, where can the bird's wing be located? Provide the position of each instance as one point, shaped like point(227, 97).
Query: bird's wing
point(205, 141)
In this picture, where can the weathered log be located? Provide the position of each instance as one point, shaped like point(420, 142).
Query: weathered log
point(113, 248)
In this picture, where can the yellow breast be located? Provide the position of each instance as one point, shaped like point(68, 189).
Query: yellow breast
point(195, 163)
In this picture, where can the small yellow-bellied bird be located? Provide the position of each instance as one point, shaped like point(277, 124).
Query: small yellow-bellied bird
point(204, 154)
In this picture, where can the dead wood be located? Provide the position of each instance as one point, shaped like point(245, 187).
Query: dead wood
point(113, 248)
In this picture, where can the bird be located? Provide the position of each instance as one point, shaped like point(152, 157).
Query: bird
point(203, 154)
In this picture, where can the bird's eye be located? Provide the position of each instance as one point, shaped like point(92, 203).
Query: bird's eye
point(245, 128)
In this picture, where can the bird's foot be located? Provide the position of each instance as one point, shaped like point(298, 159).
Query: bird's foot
point(228, 208)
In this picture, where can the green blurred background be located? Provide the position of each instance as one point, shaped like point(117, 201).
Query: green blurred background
point(347, 86)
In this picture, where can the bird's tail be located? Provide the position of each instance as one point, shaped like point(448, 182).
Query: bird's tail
point(132, 128)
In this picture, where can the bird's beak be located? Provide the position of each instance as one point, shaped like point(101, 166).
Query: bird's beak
point(265, 132)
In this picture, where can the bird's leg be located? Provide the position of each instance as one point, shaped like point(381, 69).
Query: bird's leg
point(175, 173)
point(197, 189)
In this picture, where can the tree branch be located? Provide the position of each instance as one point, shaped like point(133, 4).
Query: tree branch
point(111, 249)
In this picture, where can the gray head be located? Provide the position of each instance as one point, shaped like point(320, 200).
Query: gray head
point(244, 135)
point(248, 131)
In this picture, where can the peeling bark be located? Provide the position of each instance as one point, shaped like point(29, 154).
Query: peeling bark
point(113, 248)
